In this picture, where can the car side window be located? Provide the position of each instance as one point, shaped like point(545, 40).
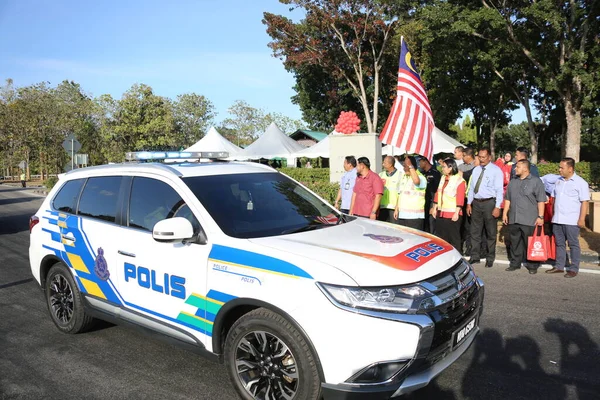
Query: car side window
point(100, 197)
point(152, 200)
point(66, 198)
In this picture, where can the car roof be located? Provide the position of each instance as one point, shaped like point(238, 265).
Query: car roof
point(178, 169)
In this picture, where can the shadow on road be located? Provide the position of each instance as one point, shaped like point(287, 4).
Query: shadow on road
point(512, 368)
point(14, 224)
point(15, 200)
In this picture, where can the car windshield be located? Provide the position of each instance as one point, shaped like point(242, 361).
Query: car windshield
point(258, 205)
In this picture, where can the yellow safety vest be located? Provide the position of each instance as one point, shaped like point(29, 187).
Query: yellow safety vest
point(412, 199)
point(447, 198)
point(390, 189)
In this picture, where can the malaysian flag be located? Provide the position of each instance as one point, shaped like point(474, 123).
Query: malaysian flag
point(410, 123)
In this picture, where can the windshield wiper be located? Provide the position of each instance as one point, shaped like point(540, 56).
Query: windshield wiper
point(305, 228)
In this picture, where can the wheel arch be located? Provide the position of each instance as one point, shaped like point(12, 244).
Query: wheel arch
point(47, 262)
point(235, 309)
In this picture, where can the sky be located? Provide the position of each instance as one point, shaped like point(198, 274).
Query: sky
point(216, 48)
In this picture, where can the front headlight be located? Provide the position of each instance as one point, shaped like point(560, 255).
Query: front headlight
point(398, 299)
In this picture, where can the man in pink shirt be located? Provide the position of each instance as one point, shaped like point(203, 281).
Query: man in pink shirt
point(368, 190)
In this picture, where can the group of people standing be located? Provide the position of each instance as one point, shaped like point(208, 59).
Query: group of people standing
point(462, 205)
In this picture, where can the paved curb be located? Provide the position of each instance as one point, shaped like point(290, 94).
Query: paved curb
point(549, 266)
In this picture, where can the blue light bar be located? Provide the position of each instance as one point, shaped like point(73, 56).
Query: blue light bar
point(175, 155)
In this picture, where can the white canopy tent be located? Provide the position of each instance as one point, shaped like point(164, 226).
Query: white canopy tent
point(213, 141)
point(442, 143)
point(271, 144)
point(320, 149)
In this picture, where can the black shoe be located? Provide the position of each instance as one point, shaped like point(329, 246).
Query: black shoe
point(474, 261)
point(489, 264)
point(511, 268)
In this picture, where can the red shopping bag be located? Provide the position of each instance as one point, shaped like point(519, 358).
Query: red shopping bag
point(551, 248)
point(549, 210)
point(537, 245)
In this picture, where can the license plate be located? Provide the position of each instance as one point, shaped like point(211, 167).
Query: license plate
point(461, 334)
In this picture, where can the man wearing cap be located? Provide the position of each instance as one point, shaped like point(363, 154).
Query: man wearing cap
point(390, 177)
point(368, 190)
point(571, 194)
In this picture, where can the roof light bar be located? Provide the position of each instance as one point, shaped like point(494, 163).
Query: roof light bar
point(174, 155)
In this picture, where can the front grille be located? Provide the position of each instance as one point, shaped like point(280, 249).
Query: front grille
point(459, 301)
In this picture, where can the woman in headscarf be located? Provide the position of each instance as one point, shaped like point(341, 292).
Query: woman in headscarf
point(448, 203)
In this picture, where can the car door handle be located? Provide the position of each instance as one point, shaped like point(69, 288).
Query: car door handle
point(69, 238)
point(126, 253)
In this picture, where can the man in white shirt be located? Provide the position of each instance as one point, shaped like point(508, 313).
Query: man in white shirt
point(346, 185)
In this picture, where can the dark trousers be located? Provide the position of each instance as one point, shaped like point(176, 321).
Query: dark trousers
point(466, 231)
point(562, 235)
point(412, 223)
point(517, 251)
point(344, 211)
point(450, 231)
point(483, 220)
point(386, 215)
point(429, 222)
point(23, 183)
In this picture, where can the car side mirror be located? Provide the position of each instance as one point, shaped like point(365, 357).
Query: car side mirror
point(173, 230)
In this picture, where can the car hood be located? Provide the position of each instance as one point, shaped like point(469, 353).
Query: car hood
point(372, 253)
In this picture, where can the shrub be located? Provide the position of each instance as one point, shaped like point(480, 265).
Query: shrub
point(316, 179)
point(326, 190)
point(50, 182)
point(307, 174)
point(590, 171)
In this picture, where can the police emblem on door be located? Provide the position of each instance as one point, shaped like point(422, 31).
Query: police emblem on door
point(100, 266)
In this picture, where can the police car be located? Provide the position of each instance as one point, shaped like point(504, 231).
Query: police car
point(247, 266)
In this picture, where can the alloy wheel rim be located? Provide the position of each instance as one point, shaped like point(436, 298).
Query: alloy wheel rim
point(61, 299)
point(266, 366)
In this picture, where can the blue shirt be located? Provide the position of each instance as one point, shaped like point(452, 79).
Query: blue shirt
point(347, 185)
point(492, 184)
point(549, 182)
point(569, 194)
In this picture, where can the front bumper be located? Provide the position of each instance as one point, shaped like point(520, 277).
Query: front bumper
point(410, 383)
point(434, 354)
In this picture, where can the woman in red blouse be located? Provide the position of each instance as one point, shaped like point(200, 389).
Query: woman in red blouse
point(447, 204)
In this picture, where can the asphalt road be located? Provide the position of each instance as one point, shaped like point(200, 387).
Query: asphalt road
point(540, 339)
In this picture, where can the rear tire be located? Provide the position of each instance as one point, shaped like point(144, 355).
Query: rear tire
point(267, 358)
point(65, 302)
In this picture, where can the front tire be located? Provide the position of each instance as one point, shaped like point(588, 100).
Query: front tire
point(65, 302)
point(267, 358)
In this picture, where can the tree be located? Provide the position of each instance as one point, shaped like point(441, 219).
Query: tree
point(142, 121)
point(249, 122)
point(558, 38)
point(346, 39)
point(193, 115)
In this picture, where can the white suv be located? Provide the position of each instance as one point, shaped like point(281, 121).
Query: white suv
point(254, 270)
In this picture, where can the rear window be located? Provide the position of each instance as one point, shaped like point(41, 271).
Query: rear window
point(100, 197)
point(66, 198)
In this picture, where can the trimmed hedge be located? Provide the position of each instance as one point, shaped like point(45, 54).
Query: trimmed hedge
point(50, 182)
point(590, 171)
point(316, 179)
point(307, 174)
